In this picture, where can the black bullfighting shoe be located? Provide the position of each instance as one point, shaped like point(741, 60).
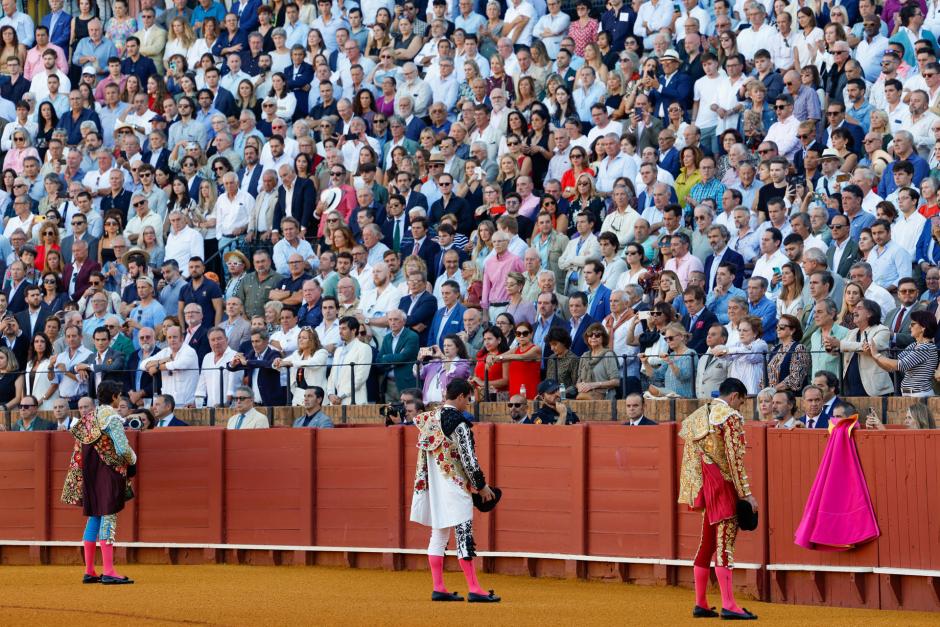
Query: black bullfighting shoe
point(445, 596)
point(703, 612)
point(473, 597)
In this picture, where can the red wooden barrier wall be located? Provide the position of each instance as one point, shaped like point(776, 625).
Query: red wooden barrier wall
point(592, 500)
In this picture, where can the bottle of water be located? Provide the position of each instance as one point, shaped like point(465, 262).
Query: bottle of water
point(522, 390)
point(563, 392)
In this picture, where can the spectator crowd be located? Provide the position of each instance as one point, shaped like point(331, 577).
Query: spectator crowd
point(230, 204)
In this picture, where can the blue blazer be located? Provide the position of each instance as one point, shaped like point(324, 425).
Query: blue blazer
point(269, 379)
point(669, 161)
point(163, 158)
point(248, 20)
point(578, 345)
point(296, 81)
point(822, 423)
point(454, 324)
point(416, 199)
point(439, 259)
point(858, 136)
point(466, 222)
point(176, 422)
point(63, 30)
point(697, 335)
point(252, 188)
point(601, 305)
point(406, 243)
point(406, 352)
point(641, 199)
point(678, 90)
point(734, 258)
point(423, 313)
point(225, 102)
point(428, 253)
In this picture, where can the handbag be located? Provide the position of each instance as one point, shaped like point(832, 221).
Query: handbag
point(747, 517)
point(487, 506)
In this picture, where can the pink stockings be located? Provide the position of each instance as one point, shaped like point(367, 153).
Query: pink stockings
point(436, 563)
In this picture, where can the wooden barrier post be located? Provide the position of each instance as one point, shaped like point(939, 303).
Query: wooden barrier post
point(396, 498)
point(579, 500)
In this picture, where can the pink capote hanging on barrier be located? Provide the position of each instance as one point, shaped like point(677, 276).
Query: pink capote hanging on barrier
point(838, 513)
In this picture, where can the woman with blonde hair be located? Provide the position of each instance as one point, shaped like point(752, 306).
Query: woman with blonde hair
point(498, 78)
point(11, 381)
point(508, 173)
point(307, 365)
point(594, 59)
point(587, 199)
point(852, 294)
point(678, 364)
point(179, 39)
point(473, 278)
point(579, 166)
point(48, 240)
point(482, 242)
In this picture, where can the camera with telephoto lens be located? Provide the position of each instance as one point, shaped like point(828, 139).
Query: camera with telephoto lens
point(134, 423)
point(393, 413)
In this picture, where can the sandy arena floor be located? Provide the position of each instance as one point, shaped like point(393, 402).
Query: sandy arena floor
point(256, 595)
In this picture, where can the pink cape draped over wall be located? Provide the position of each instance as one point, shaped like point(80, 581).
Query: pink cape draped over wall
point(838, 513)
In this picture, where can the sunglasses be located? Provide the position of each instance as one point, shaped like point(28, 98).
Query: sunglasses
point(522, 333)
point(136, 204)
point(509, 404)
point(241, 398)
point(26, 405)
point(599, 334)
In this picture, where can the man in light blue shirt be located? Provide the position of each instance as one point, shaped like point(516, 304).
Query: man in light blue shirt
point(762, 307)
point(469, 21)
point(94, 50)
point(110, 112)
point(717, 300)
point(588, 94)
point(889, 261)
point(295, 30)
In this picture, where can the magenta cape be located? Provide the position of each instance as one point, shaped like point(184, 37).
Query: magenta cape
point(838, 513)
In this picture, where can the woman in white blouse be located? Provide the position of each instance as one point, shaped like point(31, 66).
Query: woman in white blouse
point(286, 102)
point(747, 355)
point(37, 370)
point(179, 40)
point(307, 365)
point(807, 38)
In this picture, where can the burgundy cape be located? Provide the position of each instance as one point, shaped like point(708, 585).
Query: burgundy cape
point(838, 513)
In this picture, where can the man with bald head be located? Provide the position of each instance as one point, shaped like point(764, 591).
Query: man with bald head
point(290, 291)
point(376, 303)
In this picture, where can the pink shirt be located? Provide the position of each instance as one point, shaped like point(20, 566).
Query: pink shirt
point(494, 277)
point(685, 266)
point(34, 61)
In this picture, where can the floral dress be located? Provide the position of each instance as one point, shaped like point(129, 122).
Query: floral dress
point(118, 32)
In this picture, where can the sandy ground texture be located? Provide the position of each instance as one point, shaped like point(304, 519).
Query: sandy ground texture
point(258, 595)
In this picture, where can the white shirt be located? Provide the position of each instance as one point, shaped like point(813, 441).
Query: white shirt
point(524, 8)
point(557, 24)
point(766, 37)
point(215, 389)
point(906, 230)
point(232, 213)
point(764, 266)
point(376, 304)
point(287, 340)
point(183, 245)
point(40, 83)
point(181, 375)
point(328, 333)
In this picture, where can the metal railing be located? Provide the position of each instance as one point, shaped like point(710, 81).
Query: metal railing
point(626, 363)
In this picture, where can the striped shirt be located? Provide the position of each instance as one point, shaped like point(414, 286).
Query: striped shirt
point(918, 363)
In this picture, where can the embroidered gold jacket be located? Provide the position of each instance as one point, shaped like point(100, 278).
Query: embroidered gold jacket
point(713, 434)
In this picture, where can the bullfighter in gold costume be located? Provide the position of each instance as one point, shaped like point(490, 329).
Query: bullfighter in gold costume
point(712, 479)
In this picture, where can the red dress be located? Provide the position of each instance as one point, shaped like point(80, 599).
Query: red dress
point(524, 373)
point(496, 370)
